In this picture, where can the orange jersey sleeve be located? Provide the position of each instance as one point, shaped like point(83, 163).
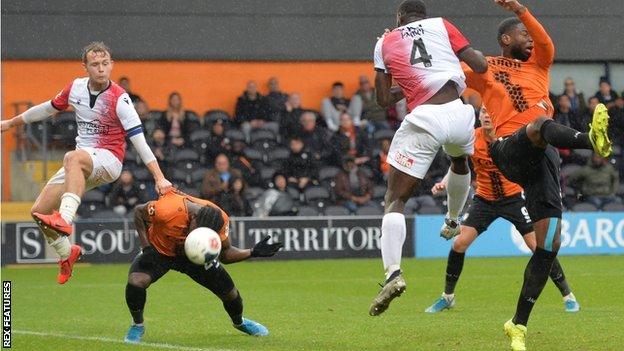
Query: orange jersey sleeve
point(169, 222)
point(491, 184)
point(543, 47)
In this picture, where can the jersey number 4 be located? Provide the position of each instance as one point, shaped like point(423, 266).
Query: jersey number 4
point(420, 54)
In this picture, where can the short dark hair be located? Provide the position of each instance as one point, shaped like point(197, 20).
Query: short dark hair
point(506, 25)
point(210, 217)
point(97, 47)
point(337, 84)
point(412, 7)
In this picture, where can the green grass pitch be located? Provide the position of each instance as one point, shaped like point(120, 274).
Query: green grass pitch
point(320, 305)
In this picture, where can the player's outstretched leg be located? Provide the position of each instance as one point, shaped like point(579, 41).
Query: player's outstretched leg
point(547, 232)
point(454, 266)
point(457, 191)
point(546, 130)
point(393, 231)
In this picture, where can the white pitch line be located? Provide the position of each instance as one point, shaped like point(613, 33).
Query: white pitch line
point(115, 341)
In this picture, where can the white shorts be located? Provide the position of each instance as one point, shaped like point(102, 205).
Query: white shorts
point(106, 169)
point(426, 129)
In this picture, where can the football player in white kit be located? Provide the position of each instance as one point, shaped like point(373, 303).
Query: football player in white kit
point(105, 116)
point(422, 56)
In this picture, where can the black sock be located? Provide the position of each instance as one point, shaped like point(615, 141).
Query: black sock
point(454, 267)
point(535, 277)
point(561, 136)
point(557, 276)
point(135, 299)
point(235, 309)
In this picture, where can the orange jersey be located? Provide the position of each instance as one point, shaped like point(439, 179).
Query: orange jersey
point(514, 92)
point(169, 222)
point(491, 184)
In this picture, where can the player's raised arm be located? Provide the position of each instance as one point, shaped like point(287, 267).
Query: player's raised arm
point(39, 112)
point(544, 49)
point(232, 254)
point(134, 129)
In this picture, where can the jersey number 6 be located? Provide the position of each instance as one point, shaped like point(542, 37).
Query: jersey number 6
point(420, 49)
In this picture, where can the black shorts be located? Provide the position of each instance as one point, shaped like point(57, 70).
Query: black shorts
point(483, 212)
point(533, 168)
point(155, 264)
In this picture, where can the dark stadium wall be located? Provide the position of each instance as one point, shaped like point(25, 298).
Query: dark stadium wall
point(287, 30)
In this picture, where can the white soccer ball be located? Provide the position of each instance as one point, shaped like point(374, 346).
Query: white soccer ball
point(202, 245)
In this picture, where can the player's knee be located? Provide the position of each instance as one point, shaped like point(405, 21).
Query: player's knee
point(460, 245)
point(139, 280)
point(393, 195)
point(459, 165)
point(534, 128)
point(230, 295)
point(74, 159)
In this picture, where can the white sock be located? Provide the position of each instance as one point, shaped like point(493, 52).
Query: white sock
point(62, 246)
point(69, 206)
point(392, 239)
point(448, 297)
point(457, 191)
point(569, 296)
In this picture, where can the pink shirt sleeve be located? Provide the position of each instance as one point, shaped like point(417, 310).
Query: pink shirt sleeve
point(457, 39)
point(61, 100)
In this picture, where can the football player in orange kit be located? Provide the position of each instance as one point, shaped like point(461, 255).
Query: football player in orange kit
point(515, 93)
point(496, 197)
point(162, 227)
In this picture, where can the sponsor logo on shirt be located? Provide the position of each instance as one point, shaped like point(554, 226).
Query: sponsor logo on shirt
point(91, 128)
point(403, 160)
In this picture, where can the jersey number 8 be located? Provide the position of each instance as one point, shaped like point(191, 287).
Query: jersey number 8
point(420, 49)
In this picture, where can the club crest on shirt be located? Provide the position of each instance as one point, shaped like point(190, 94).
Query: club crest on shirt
point(403, 160)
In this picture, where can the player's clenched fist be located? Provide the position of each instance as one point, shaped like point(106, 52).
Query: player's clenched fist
point(510, 5)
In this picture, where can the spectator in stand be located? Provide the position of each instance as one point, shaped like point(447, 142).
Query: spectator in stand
point(176, 122)
point(250, 169)
point(289, 117)
point(333, 106)
point(564, 115)
point(616, 122)
point(233, 200)
point(605, 94)
point(160, 146)
point(299, 168)
point(351, 141)
point(381, 167)
point(315, 138)
point(364, 107)
point(252, 109)
point(276, 99)
point(275, 201)
point(577, 100)
point(217, 179)
point(353, 188)
point(218, 143)
point(124, 82)
point(149, 124)
point(598, 181)
point(125, 194)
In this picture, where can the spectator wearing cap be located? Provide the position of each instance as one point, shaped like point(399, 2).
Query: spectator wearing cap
point(578, 105)
point(299, 168)
point(250, 169)
point(605, 94)
point(217, 179)
point(364, 107)
point(276, 99)
point(217, 143)
point(353, 188)
point(351, 141)
point(334, 105)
